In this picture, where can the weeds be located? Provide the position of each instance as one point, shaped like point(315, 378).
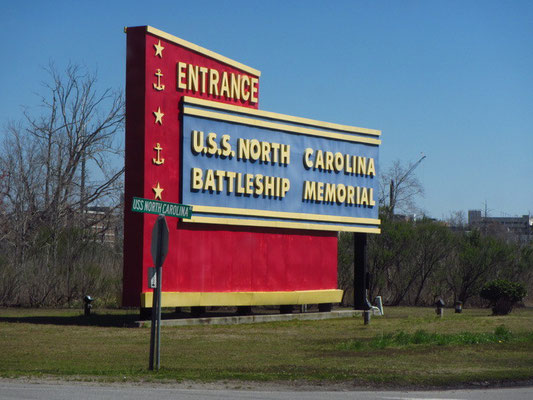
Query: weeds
point(421, 337)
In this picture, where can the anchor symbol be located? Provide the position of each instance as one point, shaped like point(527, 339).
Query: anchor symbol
point(158, 160)
point(159, 86)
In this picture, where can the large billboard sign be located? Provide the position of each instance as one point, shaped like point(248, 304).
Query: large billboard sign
point(268, 191)
point(247, 167)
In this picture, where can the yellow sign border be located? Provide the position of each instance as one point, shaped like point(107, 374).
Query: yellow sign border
point(280, 117)
point(275, 125)
point(285, 215)
point(202, 50)
point(281, 224)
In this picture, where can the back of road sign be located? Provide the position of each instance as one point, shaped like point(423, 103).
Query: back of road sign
point(159, 246)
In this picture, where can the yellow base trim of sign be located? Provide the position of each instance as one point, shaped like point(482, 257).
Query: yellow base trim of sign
point(194, 299)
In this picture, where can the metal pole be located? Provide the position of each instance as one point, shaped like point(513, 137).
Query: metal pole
point(360, 272)
point(158, 264)
point(158, 348)
point(366, 317)
point(159, 246)
point(152, 329)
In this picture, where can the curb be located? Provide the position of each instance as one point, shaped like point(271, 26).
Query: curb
point(253, 319)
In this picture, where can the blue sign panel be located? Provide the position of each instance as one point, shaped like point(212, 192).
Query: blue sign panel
point(254, 168)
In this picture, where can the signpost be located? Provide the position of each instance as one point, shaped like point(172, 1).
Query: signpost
point(159, 251)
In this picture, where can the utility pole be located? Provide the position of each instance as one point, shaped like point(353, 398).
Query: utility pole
point(81, 148)
point(82, 190)
point(485, 220)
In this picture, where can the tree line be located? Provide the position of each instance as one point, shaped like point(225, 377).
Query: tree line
point(60, 195)
point(417, 262)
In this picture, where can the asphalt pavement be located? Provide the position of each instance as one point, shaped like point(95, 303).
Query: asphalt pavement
point(10, 390)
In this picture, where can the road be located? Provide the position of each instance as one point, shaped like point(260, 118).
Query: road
point(10, 390)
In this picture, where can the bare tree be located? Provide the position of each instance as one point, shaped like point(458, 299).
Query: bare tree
point(400, 187)
point(54, 165)
point(74, 130)
point(457, 220)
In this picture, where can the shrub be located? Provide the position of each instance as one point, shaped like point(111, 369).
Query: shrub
point(503, 295)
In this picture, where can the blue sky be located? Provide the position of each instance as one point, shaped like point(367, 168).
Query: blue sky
point(451, 79)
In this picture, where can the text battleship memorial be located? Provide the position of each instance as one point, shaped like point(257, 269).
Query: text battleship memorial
point(269, 192)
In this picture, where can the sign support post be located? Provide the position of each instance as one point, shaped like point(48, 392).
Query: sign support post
point(360, 285)
point(159, 252)
point(158, 311)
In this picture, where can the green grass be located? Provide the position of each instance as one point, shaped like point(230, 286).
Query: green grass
point(421, 337)
point(408, 346)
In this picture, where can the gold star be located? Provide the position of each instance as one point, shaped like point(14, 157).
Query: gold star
point(158, 116)
point(159, 49)
point(158, 190)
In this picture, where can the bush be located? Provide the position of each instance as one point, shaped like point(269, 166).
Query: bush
point(503, 295)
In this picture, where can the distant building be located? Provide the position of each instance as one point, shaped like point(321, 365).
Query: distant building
point(412, 218)
point(521, 227)
point(104, 223)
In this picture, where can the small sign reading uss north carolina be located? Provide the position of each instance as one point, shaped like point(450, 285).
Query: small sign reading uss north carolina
point(161, 207)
